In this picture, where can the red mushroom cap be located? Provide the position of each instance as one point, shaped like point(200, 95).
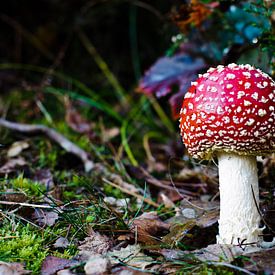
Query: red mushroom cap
point(232, 109)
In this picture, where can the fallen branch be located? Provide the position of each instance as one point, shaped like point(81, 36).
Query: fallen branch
point(53, 135)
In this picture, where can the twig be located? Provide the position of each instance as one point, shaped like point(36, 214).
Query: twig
point(55, 136)
point(26, 204)
point(124, 190)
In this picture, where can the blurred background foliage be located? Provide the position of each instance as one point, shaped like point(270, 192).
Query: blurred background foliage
point(129, 35)
point(124, 38)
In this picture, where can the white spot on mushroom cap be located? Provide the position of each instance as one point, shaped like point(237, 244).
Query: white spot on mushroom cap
point(262, 112)
point(213, 78)
point(193, 116)
point(211, 69)
point(213, 90)
point(259, 85)
point(230, 76)
point(246, 74)
point(240, 94)
point(250, 122)
point(190, 106)
point(247, 85)
point(220, 110)
point(246, 103)
point(229, 86)
point(239, 109)
point(200, 88)
point(264, 100)
point(255, 95)
point(232, 65)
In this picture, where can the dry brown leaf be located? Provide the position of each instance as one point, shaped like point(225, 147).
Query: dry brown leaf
point(51, 265)
point(108, 134)
point(44, 218)
point(262, 261)
point(131, 256)
point(95, 243)
point(75, 120)
point(61, 242)
point(214, 252)
point(163, 198)
point(16, 148)
point(11, 165)
point(148, 228)
point(195, 225)
point(12, 269)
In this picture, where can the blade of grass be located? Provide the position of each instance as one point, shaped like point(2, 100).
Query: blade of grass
point(123, 133)
point(121, 94)
point(134, 115)
point(164, 118)
point(94, 103)
point(44, 111)
point(146, 144)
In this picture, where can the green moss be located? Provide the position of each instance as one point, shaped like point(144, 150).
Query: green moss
point(113, 192)
point(47, 158)
point(24, 185)
point(66, 254)
point(29, 245)
point(23, 245)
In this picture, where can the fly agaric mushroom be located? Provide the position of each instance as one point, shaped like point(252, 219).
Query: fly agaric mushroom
point(229, 113)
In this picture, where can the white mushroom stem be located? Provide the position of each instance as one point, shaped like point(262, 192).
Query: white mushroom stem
point(239, 217)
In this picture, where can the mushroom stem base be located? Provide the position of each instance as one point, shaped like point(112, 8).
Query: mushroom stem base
point(239, 197)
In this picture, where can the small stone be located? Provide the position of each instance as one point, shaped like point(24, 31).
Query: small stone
point(97, 264)
point(189, 213)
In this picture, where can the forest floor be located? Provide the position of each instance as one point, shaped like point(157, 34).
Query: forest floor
point(86, 190)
